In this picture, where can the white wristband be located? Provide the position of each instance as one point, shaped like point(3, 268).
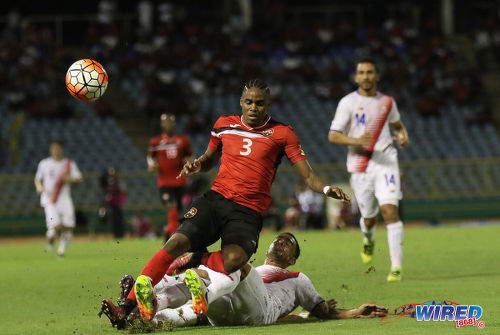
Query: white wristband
point(326, 188)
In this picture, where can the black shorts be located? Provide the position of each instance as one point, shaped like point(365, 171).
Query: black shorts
point(168, 194)
point(212, 217)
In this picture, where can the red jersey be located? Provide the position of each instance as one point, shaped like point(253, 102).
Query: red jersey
point(170, 153)
point(250, 158)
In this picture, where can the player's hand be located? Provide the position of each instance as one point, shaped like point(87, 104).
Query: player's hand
point(153, 167)
point(337, 193)
point(66, 178)
point(190, 168)
point(401, 139)
point(371, 311)
point(39, 190)
point(365, 139)
point(332, 304)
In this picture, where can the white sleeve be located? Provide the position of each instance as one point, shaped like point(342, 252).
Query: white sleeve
point(74, 171)
point(394, 114)
point(39, 171)
point(342, 117)
point(307, 296)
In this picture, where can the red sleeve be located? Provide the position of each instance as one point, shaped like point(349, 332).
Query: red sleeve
point(292, 147)
point(214, 140)
point(151, 150)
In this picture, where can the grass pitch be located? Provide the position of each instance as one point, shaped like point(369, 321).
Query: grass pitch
point(40, 294)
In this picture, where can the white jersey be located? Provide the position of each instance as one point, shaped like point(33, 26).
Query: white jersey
point(50, 172)
point(288, 290)
point(266, 294)
point(357, 114)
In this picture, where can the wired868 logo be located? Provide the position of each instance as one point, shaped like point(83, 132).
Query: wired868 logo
point(439, 310)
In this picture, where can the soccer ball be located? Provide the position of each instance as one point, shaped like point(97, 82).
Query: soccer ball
point(86, 80)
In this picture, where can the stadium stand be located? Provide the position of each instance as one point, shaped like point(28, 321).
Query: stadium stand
point(190, 64)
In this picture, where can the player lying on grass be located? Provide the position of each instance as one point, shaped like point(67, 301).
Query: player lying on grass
point(264, 294)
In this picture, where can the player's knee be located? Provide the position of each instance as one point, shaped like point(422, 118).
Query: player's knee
point(234, 259)
point(390, 213)
point(177, 244)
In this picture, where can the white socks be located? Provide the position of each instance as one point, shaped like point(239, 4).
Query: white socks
point(369, 234)
point(395, 239)
point(65, 238)
point(220, 283)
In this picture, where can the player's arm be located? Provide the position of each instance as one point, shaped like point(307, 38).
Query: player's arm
point(152, 164)
point(315, 183)
point(401, 135)
point(340, 138)
point(201, 164)
point(38, 186)
point(72, 180)
point(72, 174)
point(328, 310)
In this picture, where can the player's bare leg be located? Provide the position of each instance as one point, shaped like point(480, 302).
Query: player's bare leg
point(395, 235)
point(368, 229)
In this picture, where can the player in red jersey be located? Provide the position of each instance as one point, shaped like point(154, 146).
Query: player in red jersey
point(167, 154)
point(250, 148)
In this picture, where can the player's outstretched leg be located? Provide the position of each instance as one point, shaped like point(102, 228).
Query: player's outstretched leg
point(367, 252)
point(115, 314)
point(126, 284)
point(395, 275)
point(198, 292)
point(146, 299)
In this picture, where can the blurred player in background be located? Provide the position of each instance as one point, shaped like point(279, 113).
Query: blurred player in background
point(250, 147)
point(363, 121)
point(52, 181)
point(167, 154)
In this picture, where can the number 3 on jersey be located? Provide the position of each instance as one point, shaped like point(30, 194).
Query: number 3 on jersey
point(247, 143)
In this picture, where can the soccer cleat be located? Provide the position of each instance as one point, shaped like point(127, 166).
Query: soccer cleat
point(115, 314)
point(126, 285)
point(198, 290)
point(187, 261)
point(367, 253)
point(146, 298)
point(395, 275)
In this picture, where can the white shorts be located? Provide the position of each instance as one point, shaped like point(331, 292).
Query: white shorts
point(380, 186)
point(248, 304)
point(60, 213)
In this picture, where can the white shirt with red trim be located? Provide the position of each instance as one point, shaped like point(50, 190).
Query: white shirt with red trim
point(287, 290)
point(50, 172)
point(357, 114)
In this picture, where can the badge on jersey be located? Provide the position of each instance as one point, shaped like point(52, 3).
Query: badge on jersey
point(268, 132)
point(191, 213)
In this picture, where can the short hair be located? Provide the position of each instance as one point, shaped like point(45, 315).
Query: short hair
point(257, 83)
point(297, 252)
point(367, 59)
point(58, 142)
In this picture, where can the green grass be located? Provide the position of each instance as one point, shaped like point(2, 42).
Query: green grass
point(42, 295)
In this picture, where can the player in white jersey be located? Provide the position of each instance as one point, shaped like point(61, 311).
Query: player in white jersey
point(263, 295)
point(52, 181)
point(363, 121)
